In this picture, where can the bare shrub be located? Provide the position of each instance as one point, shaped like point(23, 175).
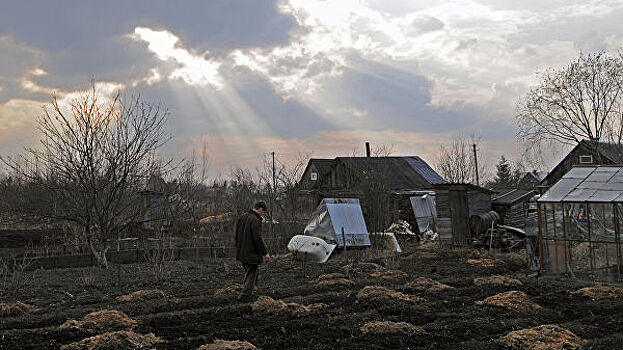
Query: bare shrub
point(514, 300)
point(549, 336)
point(228, 345)
point(102, 321)
point(15, 274)
point(160, 262)
point(120, 340)
point(142, 295)
point(388, 327)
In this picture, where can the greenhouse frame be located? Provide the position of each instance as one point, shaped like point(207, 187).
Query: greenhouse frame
point(580, 224)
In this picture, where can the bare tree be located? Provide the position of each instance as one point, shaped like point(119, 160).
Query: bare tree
point(455, 162)
point(94, 155)
point(580, 101)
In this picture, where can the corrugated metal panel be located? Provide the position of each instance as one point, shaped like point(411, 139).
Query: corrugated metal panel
point(346, 213)
point(425, 210)
point(424, 169)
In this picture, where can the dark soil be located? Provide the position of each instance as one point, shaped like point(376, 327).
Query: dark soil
point(191, 315)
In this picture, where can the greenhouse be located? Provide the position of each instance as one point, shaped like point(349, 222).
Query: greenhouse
point(580, 224)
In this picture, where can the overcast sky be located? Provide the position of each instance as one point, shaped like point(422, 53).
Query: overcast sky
point(249, 77)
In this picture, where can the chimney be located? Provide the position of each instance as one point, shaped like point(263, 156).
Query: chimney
point(367, 149)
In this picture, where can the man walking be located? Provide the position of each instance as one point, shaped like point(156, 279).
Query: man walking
point(250, 248)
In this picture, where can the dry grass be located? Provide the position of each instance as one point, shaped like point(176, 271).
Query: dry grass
point(387, 327)
point(102, 321)
point(142, 295)
point(514, 300)
point(497, 281)
point(228, 345)
point(482, 258)
point(268, 305)
point(390, 274)
point(376, 293)
point(16, 309)
point(544, 337)
point(233, 288)
point(600, 292)
point(427, 284)
point(121, 340)
point(334, 279)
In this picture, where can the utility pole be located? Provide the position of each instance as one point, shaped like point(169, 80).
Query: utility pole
point(476, 164)
point(274, 195)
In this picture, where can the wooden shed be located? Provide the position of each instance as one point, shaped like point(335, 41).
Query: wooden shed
point(456, 203)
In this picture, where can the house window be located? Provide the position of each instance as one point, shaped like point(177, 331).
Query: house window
point(314, 176)
point(586, 159)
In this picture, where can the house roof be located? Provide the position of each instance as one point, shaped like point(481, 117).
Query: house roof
point(599, 184)
point(610, 151)
point(513, 196)
point(322, 165)
point(466, 186)
point(397, 172)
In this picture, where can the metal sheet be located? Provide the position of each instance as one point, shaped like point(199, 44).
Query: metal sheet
point(424, 210)
point(425, 170)
point(578, 173)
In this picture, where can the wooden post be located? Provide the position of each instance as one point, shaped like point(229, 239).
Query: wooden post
point(344, 239)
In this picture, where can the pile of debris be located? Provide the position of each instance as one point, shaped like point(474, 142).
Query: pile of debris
point(506, 238)
point(382, 294)
point(549, 336)
point(142, 295)
point(16, 309)
point(268, 305)
point(120, 340)
point(334, 279)
point(101, 321)
point(514, 300)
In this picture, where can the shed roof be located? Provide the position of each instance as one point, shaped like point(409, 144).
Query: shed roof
point(513, 196)
point(599, 184)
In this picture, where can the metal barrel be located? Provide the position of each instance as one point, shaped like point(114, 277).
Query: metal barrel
point(481, 222)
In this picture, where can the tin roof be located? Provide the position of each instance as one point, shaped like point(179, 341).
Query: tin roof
point(602, 184)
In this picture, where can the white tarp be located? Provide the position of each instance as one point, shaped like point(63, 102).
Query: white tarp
point(336, 215)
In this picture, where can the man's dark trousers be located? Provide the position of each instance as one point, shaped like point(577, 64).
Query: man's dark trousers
point(250, 279)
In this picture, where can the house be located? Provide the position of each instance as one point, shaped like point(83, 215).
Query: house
point(456, 203)
point(383, 185)
point(586, 153)
point(513, 203)
point(580, 224)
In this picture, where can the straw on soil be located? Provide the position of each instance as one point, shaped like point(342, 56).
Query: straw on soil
point(142, 295)
point(233, 288)
point(334, 279)
point(544, 337)
point(497, 281)
point(427, 284)
point(228, 345)
point(102, 321)
point(330, 276)
point(482, 258)
point(514, 300)
point(376, 293)
point(120, 340)
point(387, 327)
point(266, 304)
point(16, 309)
point(600, 292)
point(390, 274)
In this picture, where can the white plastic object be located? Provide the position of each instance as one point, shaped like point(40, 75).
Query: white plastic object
point(310, 248)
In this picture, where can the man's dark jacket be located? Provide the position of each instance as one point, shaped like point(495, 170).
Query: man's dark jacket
point(250, 248)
